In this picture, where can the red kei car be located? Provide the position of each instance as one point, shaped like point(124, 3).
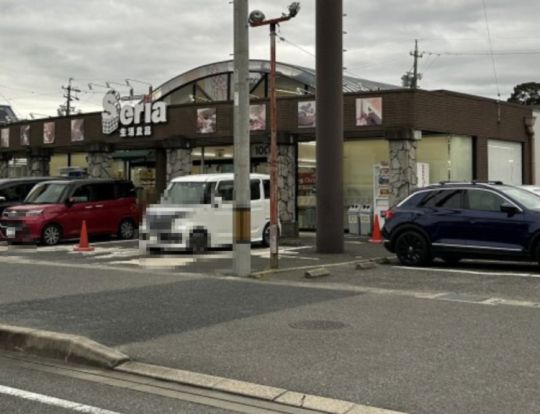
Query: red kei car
point(54, 210)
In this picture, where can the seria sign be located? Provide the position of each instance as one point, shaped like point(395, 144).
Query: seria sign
point(131, 120)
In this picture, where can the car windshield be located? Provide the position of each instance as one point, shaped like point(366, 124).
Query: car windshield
point(46, 193)
point(187, 193)
point(526, 198)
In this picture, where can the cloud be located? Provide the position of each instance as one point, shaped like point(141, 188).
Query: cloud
point(45, 42)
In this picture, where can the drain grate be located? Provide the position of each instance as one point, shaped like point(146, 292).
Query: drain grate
point(318, 325)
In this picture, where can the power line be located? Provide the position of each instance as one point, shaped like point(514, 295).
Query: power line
point(491, 49)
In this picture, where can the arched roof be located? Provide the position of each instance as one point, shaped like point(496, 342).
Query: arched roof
point(300, 74)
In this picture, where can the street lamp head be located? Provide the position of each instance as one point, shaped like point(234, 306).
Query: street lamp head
point(294, 8)
point(256, 17)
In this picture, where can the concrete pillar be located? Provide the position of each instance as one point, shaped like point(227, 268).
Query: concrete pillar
point(4, 165)
point(161, 170)
point(403, 175)
point(99, 164)
point(287, 190)
point(329, 130)
point(178, 162)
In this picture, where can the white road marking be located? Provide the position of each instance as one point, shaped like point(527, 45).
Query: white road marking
point(55, 402)
point(470, 272)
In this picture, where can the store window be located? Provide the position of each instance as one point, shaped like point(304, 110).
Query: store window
point(505, 161)
point(450, 158)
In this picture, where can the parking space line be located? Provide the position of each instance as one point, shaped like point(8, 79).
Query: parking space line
point(53, 401)
point(470, 272)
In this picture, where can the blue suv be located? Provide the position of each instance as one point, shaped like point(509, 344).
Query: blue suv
point(451, 221)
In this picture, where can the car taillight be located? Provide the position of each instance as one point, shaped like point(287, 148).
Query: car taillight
point(389, 214)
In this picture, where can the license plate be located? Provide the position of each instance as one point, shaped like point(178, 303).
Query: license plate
point(153, 239)
point(10, 232)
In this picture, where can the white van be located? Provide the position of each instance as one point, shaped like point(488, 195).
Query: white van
point(196, 212)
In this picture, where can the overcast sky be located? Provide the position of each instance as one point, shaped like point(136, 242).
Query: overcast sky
point(45, 42)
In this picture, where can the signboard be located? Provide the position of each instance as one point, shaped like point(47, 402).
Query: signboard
point(381, 190)
point(307, 113)
point(131, 120)
point(369, 111)
point(77, 129)
point(25, 135)
point(48, 133)
point(206, 120)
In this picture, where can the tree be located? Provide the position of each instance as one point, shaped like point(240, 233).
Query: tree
point(527, 93)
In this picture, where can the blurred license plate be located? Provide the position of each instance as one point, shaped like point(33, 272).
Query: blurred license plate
point(10, 232)
point(153, 239)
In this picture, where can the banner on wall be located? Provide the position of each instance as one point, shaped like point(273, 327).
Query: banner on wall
point(77, 130)
point(369, 111)
point(257, 117)
point(25, 135)
point(4, 138)
point(307, 113)
point(48, 132)
point(206, 120)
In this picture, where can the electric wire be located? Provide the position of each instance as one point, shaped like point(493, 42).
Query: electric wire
point(491, 49)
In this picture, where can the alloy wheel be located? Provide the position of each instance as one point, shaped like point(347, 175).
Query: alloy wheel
point(411, 249)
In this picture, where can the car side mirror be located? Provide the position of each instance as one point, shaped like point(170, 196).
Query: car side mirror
point(218, 201)
point(69, 202)
point(509, 209)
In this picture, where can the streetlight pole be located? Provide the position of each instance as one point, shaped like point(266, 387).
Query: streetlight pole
point(257, 19)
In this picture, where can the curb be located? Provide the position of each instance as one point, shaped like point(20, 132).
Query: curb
point(268, 272)
point(69, 348)
point(74, 348)
point(251, 390)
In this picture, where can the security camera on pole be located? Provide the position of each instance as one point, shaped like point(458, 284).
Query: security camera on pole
point(257, 18)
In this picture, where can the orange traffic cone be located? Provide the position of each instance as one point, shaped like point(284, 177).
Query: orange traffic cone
point(376, 236)
point(83, 243)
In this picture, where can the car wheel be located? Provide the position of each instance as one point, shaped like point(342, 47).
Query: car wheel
point(51, 235)
point(154, 250)
point(198, 242)
point(266, 236)
point(126, 229)
point(412, 249)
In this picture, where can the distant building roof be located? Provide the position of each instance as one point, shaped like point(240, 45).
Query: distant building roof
point(300, 74)
point(7, 115)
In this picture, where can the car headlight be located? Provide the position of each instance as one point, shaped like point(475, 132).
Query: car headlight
point(33, 213)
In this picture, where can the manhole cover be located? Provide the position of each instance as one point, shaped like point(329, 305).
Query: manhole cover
point(318, 325)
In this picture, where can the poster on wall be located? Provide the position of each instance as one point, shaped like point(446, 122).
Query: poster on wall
point(77, 130)
point(25, 135)
point(4, 138)
point(48, 133)
point(257, 117)
point(369, 111)
point(307, 114)
point(206, 120)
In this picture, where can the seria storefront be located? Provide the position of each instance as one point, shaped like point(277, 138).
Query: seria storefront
point(394, 138)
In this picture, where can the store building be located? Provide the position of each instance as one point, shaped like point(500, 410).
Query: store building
point(394, 138)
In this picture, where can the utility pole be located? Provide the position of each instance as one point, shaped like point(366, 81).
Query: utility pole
point(242, 197)
point(416, 55)
point(69, 97)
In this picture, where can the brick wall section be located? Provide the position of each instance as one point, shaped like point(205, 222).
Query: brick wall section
point(431, 112)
